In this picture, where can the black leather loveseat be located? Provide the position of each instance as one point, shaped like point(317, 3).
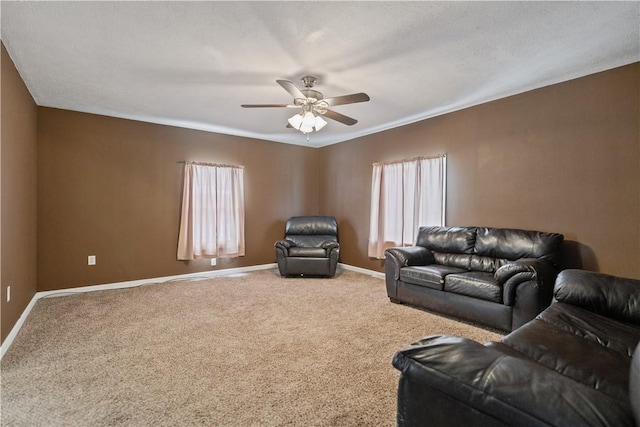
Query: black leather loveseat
point(574, 365)
point(499, 277)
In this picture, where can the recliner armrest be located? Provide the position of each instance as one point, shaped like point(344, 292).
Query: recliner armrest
point(332, 248)
point(330, 244)
point(284, 245)
point(410, 255)
point(610, 296)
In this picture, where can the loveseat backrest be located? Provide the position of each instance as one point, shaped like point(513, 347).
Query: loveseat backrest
point(450, 245)
point(454, 240)
point(487, 249)
point(512, 244)
point(311, 231)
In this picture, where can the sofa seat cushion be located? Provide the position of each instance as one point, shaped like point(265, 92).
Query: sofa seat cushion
point(297, 251)
point(474, 284)
point(589, 348)
point(430, 276)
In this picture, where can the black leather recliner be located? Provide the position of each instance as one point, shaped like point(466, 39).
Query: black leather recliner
point(310, 247)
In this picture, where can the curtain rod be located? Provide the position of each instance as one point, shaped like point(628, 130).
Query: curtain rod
point(210, 164)
point(437, 156)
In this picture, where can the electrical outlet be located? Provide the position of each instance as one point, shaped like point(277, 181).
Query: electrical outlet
point(8, 293)
point(91, 260)
point(213, 261)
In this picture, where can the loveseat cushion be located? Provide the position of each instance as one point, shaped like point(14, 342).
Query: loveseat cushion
point(486, 264)
point(589, 348)
point(475, 284)
point(430, 276)
point(454, 260)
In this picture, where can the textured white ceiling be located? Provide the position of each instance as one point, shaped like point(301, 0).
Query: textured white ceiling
point(192, 64)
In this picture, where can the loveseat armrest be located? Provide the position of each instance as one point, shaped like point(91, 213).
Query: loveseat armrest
point(512, 274)
point(610, 296)
point(447, 381)
point(405, 256)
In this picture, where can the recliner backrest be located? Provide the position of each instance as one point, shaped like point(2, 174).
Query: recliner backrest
point(311, 230)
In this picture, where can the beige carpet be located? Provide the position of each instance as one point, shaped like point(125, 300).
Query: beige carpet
point(229, 351)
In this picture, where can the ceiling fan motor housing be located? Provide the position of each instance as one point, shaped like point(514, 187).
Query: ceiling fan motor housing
point(311, 93)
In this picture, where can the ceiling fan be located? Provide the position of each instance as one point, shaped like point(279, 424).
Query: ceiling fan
point(313, 105)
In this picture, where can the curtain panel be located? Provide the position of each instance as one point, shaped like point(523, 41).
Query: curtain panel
point(212, 220)
point(405, 196)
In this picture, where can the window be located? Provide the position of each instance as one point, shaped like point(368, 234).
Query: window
point(405, 195)
point(212, 221)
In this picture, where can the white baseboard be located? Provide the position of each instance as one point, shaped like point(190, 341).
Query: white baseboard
point(16, 328)
point(376, 274)
point(133, 283)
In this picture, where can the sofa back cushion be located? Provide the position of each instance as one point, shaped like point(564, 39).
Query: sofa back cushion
point(610, 296)
point(451, 246)
point(486, 264)
point(487, 249)
point(512, 244)
point(453, 240)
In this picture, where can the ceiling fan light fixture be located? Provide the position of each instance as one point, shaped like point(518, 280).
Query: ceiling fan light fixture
point(295, 121)
point(320, 123)
point(307, 122)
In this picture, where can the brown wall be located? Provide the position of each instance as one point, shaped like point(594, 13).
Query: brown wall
point(564, 158)
point(18, 194)
point(112, 188)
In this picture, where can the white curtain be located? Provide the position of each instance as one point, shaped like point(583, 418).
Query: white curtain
point(212, 221)
point(405, 195)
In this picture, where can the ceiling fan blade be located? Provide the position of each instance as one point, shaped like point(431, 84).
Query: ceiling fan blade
point(291, 88)
point(340, 118)
point(347, 99)
point(269, 106)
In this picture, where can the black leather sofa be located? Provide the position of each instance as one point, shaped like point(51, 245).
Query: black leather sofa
point(498, 277)
point(574, 365)
point(310, 247)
